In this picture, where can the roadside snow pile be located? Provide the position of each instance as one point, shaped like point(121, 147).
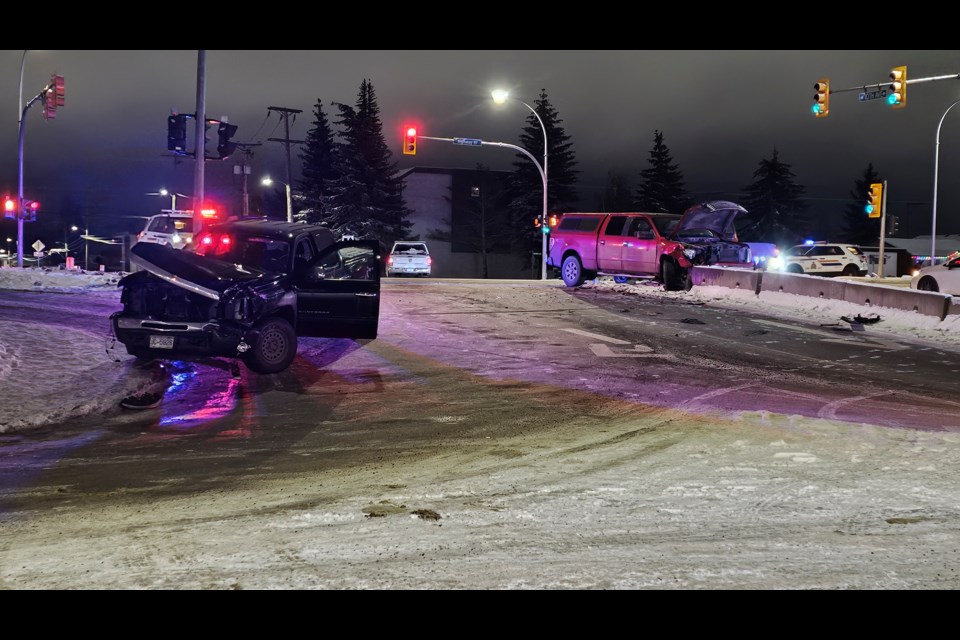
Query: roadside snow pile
point(58, 280)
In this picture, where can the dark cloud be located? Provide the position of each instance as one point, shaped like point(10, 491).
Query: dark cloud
point(721, 112)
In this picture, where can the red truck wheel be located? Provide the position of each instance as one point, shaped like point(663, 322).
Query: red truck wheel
point(572, 271)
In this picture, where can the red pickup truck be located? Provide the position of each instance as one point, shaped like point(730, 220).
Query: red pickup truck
point(657, 245)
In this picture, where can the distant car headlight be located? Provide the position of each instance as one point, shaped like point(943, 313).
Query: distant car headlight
point(915, 273)
point(775, 262)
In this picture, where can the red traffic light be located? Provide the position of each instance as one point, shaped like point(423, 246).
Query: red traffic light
point(410, 141)
point(34, 205)
point(9, 205)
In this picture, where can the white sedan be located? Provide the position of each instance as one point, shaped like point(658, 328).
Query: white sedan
point(944, 278)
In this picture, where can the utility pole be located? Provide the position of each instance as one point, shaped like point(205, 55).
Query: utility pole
point(285, 114)
point(243, 170)
point(200, 144)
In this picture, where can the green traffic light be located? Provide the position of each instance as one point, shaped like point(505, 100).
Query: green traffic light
point(869, 208)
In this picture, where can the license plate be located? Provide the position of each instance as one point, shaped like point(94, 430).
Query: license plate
point(161, 342)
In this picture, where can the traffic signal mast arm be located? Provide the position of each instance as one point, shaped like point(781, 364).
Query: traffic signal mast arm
point(883, 85)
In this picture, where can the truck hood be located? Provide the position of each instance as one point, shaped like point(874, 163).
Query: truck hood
point(205, 276)
point(717, 216)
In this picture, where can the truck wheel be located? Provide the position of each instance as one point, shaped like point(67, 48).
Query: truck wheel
point(274, 348)
point(672, 276)
point(620, 279)
point(572, 271)
point(795, 268)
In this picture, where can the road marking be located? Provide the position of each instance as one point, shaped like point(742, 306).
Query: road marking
point(597, 336)
point(639, 351)
point(829, 410)
point(717, 392)
point(888, 345)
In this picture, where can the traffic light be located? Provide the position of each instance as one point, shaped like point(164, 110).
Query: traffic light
point(545, 226)
point(410, 141)
point(536, 222)
point(177, 133)
point(554, 220)
point(54, 97)
point(898, 88)
point(874, 200)
point(30, 209)
point(9, 208)
point(821, 99)
point(225, 148)
point(894, 224)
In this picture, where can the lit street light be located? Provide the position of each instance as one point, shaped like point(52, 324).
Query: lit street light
point(499, 97)
point(268, 182)
point(66, 240)
point(173, 197)
point(936, 165)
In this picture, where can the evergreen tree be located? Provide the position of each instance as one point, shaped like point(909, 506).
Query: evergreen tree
point(365, 197)
point(617, 195)
point(775, 210)
point(318, 170)
point(661, 187)
point(526, 186)
point(858, 228)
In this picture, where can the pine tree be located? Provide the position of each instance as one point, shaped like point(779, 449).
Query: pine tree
point(858, 228)
point(318, 170)
point(661, 187)
point(365, 198)
point(775, 210)
point(526, 186)
point(617, 195)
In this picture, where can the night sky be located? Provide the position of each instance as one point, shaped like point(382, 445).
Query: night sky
point(720, 111)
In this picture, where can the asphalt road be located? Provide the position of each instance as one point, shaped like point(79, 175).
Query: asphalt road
point(465, 380)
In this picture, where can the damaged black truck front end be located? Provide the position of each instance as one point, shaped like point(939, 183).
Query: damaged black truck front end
point(184, 306)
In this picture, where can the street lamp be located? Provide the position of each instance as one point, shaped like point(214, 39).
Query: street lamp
point(936, 163)
point(499, 97)
point(173, 197)
point(269, 181)
point(66, 240)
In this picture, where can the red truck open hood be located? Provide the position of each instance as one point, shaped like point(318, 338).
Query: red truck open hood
point(716, 216)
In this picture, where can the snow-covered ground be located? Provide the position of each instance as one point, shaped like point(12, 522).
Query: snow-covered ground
point(626, 496)
point(895, 322)
point(51, 373)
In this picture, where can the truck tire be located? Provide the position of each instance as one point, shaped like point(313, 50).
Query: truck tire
point(572, 271)
point(673, 277)
point(274, 348)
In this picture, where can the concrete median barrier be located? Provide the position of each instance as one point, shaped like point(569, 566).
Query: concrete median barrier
point(803, 285)
point(729, 278)
point(923, 302)
point(875, 295)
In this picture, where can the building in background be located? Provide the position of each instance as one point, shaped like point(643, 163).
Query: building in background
point(461, 214)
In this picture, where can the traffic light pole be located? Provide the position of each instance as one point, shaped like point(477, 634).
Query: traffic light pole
point(883, 226)
point(23, 124)
point(475, 142)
